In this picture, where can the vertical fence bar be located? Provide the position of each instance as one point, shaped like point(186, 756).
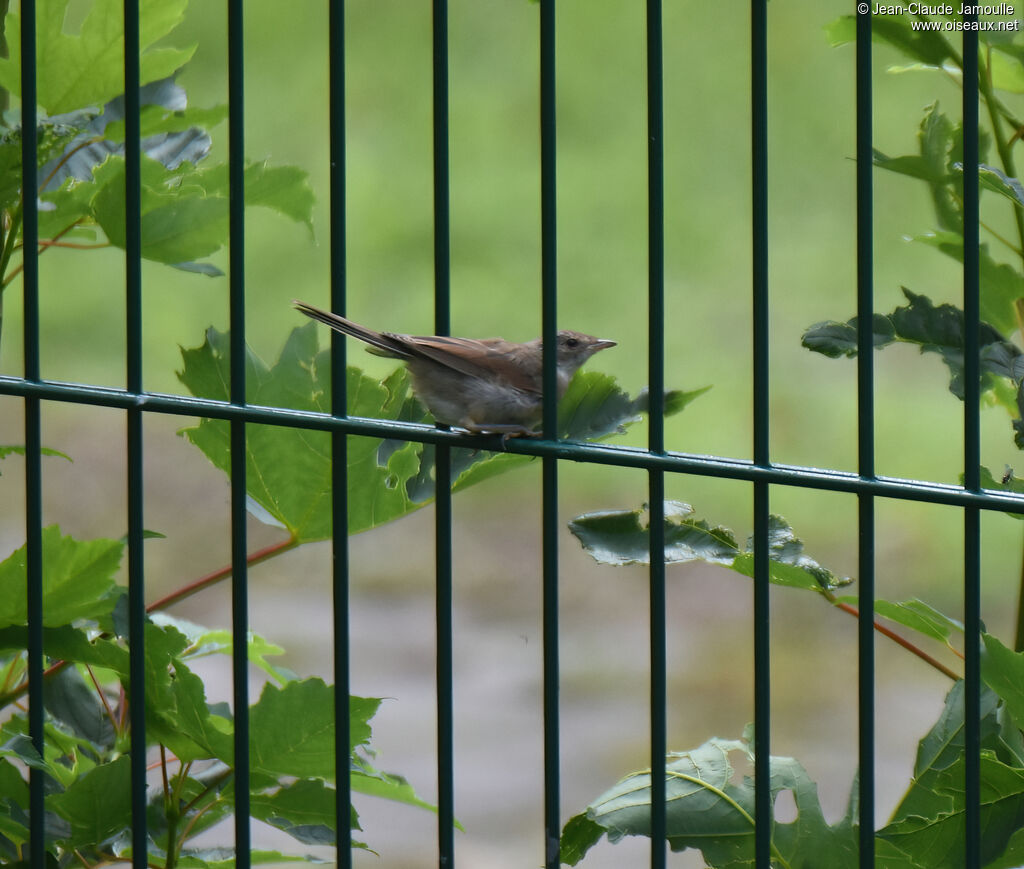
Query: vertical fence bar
point(656, 436)
point(549, 470)
point(133, 330)
point(865, 448)
point(239, 571)
point(33, 439)
point(339, 440)
point(762, 626)
point(972, 454)
point(442, 468)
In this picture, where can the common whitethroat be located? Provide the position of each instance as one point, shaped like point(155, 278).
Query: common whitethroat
point(481, 385)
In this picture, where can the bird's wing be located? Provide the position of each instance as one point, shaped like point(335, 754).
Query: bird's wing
point(483, 358)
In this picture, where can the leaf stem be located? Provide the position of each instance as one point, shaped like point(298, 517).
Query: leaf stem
point(219, 575)
point(903, 641)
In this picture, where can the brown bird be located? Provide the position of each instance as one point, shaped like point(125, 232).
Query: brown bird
point(481, 385)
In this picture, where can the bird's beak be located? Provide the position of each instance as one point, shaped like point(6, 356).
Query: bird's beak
point(602, 344)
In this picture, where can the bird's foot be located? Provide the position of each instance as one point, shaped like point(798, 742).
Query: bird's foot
point(506, 430)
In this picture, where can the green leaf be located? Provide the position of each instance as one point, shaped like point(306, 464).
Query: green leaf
point(934, 329)
point(224, 858)
point(179, 223)
point(66, 643)
point(1001, 284)
point(20, 747)
point(1009, 482)
point(87, 69)
point(284, 189)
point(1013, 856)
point(1006, 68)
point(163, 646)
point(842, 31)
point(284, 743)
point(1002, 670)
point(389, 786)
point(195, 732)
point(6, 451)
point(593, 408)
point(620, 537)
point(185, 210)
point(13, 800)
point(994, 179)
point(156, 119)
point(73, 704)
point(926, 46)
point(52, 138)
point(305, 810)
point(935, 139)
point(177, 713)
point(943, 747)
point(289, 470)
point(938, 840)
point(834, 339)
point(78, 579)
point(13, 787)
point(916, 615)
point(204, 641)
point(98, 805)
point(709, 810)
point(913, 165)
point(579, 835)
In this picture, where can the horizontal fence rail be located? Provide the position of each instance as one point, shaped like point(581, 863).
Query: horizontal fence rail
point(775, 473)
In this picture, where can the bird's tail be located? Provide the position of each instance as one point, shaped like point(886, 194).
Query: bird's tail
point(383, 345)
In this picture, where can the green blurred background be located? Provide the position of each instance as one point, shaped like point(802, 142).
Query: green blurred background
point(602, 272)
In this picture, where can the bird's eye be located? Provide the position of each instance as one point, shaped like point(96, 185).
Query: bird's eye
point(572, 342)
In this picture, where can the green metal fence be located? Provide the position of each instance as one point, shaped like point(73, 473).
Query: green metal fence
point(760, 471)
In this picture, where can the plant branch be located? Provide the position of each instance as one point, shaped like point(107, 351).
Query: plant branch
point(1006, 155)
point(1002, 146)
point(82, 859)
point(1018, 644)
point(10, 241)
point(103, 698)
point(64, 159)
point(163, 603)
point(219, 575)
point(173, 815)
point(163, 771)
point(211, 786)
point(903, 641)
point(46, 244)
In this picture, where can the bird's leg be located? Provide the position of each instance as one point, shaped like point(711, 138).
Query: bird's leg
point(506, 429)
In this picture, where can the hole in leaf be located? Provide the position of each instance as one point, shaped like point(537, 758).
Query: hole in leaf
point(785, 807)
point(390, 481)
point(742, 767)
